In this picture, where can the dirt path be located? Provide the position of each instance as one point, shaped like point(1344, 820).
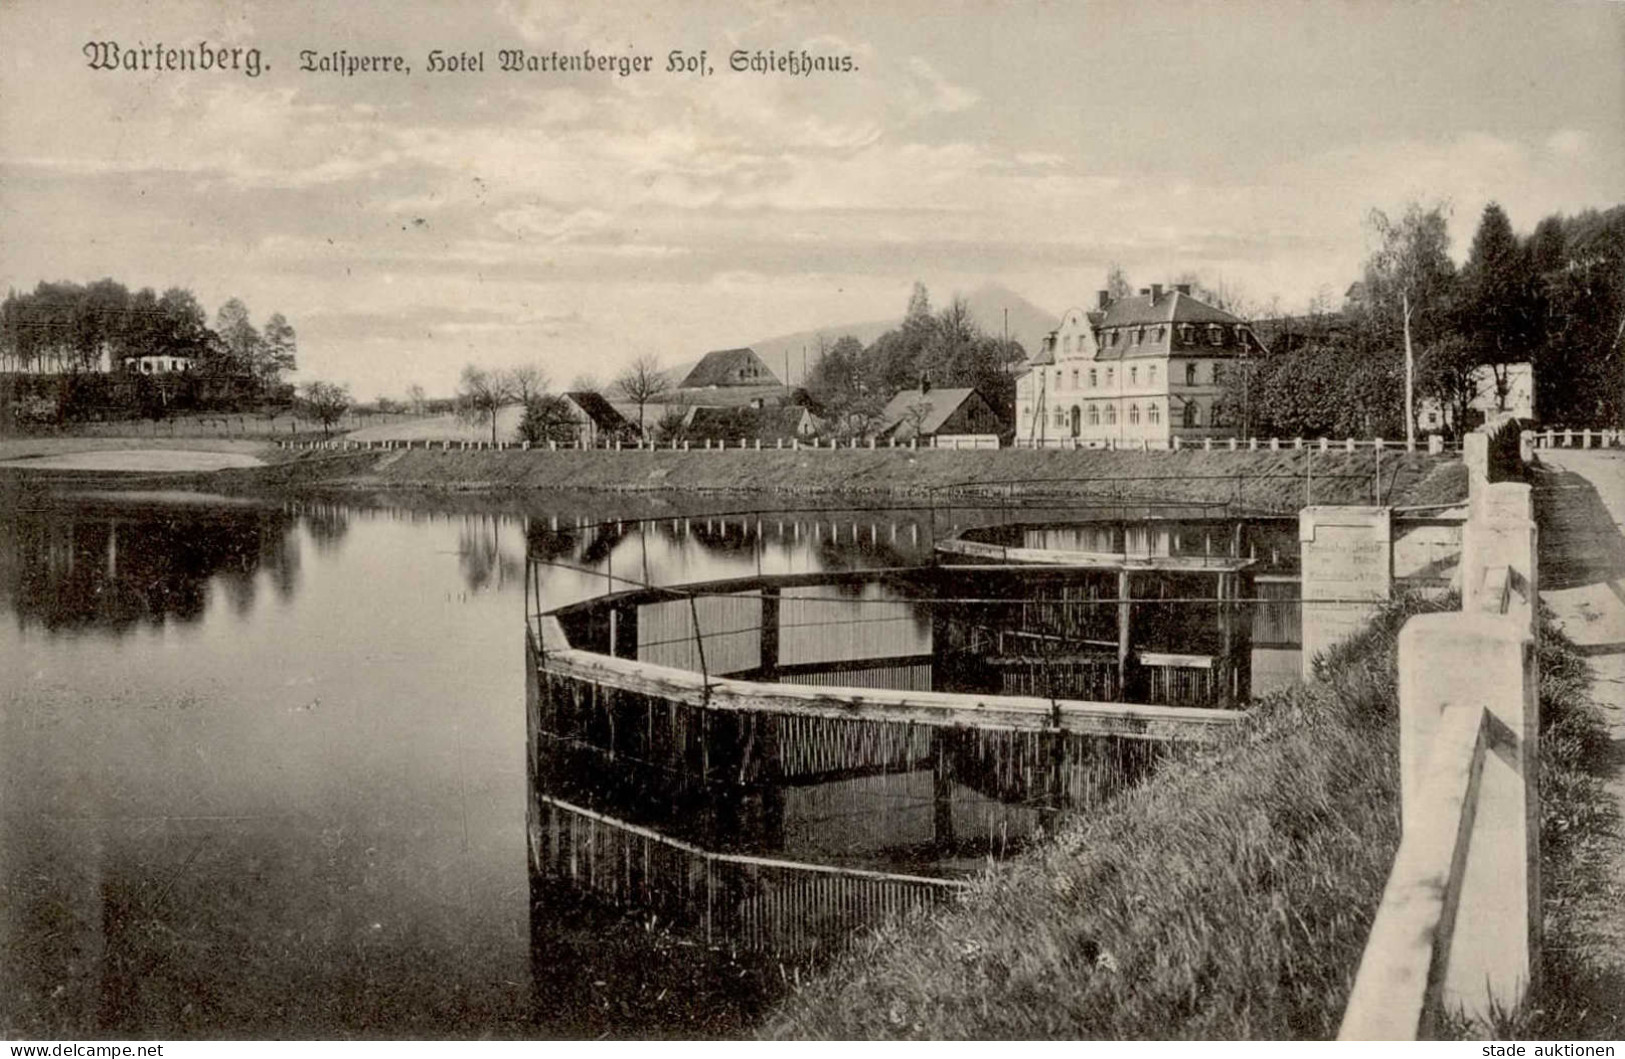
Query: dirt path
point(144, 460)
point(1580, 501)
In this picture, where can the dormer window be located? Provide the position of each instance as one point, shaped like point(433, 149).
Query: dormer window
point(1186, 334)
point(1215, 335)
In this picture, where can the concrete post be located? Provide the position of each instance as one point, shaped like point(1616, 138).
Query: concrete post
point(1252, 444)
point(1435, 444)
point(1348, 446)
point(1501, 535)
point(1480, 661)
point(1585, 436)
point(1233, 445)
point(1325, 444)
point(1275, 444)
point(1207, 444)
point(1568, 439)
point(1347, 558)
point(1297, 444)
point(1176, 442)
point(1380, 444)
point(1475, 453)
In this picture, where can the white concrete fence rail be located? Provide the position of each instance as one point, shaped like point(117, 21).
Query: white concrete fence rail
point(1458, 929)
point(1566, 438)
point(1435, 444)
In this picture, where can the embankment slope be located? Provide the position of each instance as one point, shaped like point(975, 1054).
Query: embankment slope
point(1274, 481)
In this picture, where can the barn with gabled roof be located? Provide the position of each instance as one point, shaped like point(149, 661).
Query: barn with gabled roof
point(730, 367)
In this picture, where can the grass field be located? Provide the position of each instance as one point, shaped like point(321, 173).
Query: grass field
point(1229, 897)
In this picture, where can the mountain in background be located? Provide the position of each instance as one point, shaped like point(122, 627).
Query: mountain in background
point(1028, 325)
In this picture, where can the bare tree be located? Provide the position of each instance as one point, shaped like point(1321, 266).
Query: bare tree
point(325, 403)
point(529, 382)
point(482, 394)
point(1410, 274)
point(642, 382)
point(417, 398)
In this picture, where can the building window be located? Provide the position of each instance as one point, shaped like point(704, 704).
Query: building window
point(1060, 417)
point(1215, 335)
point(1109, 373)
point(1153, 414)
point(1093, 379)
point(1193, 415)
point(1074, 378)
point(1057, 378)
point(1094, 415)
point(1134, 375)
point(1190, 374)
point(1185, 334)
point(1151, 373)
point(1111, 415)
point(1134, 414)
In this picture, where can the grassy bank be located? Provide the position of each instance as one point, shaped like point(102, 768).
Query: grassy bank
point(1254, 480)
point(1228, 897)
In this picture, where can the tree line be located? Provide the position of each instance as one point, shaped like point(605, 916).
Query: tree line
point(67, 333)
point(852, 383)
point(1554, 299)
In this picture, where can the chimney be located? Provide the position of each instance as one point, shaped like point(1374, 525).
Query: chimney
point(1105, 299)
point(1183, 288)
point(1156, 293)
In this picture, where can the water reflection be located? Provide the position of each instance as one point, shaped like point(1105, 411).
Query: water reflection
point(72, 565)
point(264, 764)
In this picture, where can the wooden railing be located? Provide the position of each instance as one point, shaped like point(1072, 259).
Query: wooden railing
point(1458, 929)
point(762, 904)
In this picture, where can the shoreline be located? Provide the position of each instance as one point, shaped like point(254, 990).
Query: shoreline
point(1246, 481)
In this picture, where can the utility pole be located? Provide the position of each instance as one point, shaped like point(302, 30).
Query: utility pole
point(1410, 371)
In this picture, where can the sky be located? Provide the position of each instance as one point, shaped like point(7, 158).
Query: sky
point(408, 224)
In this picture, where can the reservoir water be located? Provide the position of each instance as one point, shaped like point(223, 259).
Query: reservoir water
point(262, 764)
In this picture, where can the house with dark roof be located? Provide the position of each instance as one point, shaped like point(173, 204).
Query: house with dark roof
point(769, 425)
point(1138, 370)
point(932, 412)
point(730, 367)
point(597, 420)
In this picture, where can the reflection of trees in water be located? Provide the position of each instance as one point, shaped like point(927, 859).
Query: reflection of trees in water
point(589, 545)
point(65, 568)
point(480, 556)
point(327, 525)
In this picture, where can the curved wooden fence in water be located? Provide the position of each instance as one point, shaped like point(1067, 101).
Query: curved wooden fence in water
point(711, 794)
